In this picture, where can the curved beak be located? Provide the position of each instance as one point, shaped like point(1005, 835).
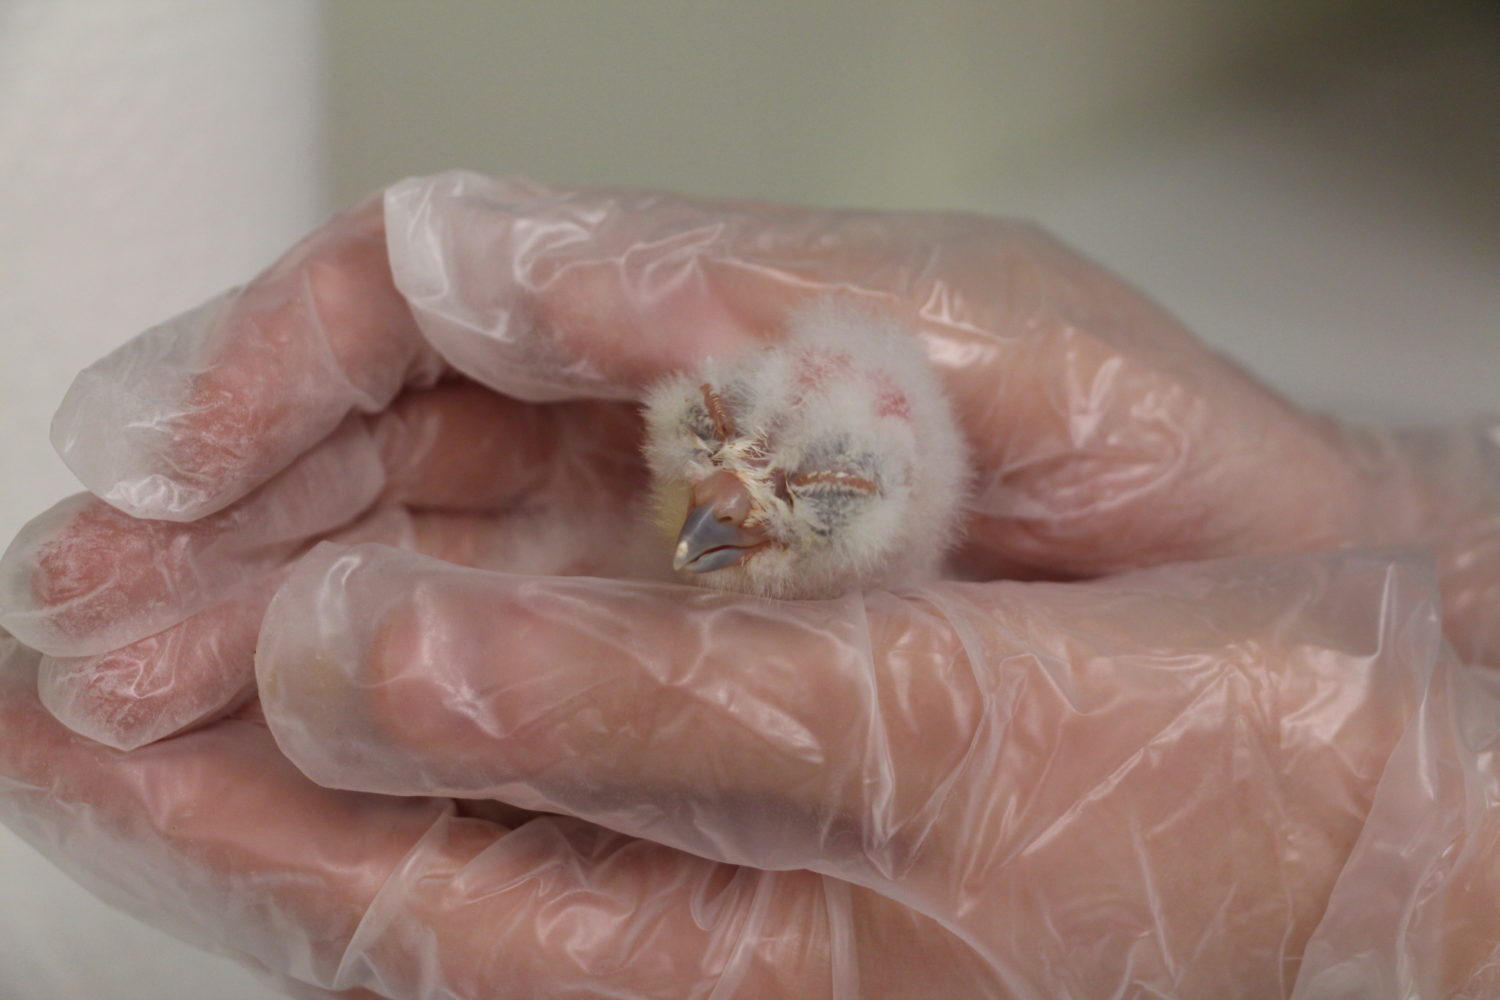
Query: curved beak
point(709, 541)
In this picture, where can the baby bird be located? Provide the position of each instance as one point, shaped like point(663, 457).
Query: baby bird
point(827, 462)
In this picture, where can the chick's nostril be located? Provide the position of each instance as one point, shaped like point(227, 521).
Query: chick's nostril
point(726, 495)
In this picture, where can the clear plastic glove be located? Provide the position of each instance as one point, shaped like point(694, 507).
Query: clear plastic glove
point(1151, 785)
point(1106, 438)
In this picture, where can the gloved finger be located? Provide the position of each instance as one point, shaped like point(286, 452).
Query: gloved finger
point(84, 578)
point(191, 416)
point(170, 832)
point(204, 667)
point(547, 541)
point(216, 838)
point(460, 446)
point(1416, 911)
point(879, 738)
point(187, 674)
point(546, 294)
point(1105, 436)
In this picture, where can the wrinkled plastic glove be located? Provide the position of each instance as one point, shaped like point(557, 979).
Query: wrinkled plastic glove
point(1105, 436)
point(1248, 778)
point(1106, 439)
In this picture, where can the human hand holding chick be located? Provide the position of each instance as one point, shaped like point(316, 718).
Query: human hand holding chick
point(1103, 436)
point(865, 731)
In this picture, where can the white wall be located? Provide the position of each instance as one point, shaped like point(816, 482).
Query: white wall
point(147, 159)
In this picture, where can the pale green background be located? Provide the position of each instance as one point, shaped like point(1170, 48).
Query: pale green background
point(1311, 185)
point(886, 104)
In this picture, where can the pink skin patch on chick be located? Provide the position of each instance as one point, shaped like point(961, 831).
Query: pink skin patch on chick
point(818, 367)
point(890, 401)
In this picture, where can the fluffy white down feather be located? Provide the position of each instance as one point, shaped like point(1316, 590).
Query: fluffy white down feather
point(847, 450)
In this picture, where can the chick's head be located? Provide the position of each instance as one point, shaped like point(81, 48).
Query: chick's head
point(795, 470)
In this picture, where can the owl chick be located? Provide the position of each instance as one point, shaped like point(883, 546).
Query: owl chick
point(827, 462)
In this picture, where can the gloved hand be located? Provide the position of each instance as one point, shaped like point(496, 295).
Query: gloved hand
point(1106, 439)
point(1142, 786)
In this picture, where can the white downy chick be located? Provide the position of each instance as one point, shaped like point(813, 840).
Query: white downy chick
point(827, 462)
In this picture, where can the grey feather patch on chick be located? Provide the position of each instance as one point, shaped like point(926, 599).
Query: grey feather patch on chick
point(848, 467)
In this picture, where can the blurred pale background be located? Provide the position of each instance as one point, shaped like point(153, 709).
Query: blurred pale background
point(1292, 178)
point(1312, 185)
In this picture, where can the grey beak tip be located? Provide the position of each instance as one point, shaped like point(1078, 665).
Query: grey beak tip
point(707, 544)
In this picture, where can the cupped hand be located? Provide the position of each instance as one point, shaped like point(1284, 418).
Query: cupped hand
point(452, 370)
point(471, 347)
point(1177, 782)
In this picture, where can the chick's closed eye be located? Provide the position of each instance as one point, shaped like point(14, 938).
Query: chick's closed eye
point(826, 462)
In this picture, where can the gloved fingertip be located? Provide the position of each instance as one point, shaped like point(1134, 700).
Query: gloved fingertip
point(159, 686)
point(125, 425)
point(306, 622)
point(308, 656)
point(374, 644)
point(51, 568)
point(97, 697)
